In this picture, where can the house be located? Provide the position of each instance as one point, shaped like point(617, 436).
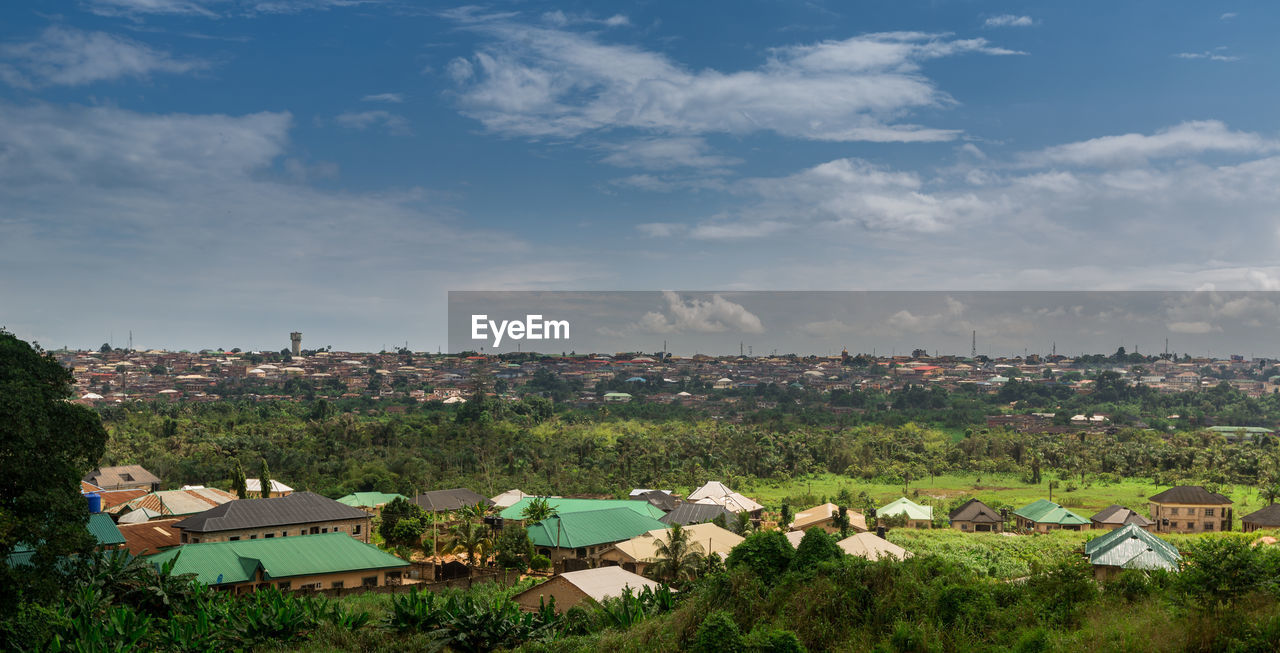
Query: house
point(574, 587)
point(658, 499)
point(508, 498)
point(1129, 547)
point(696, 513)
point(617, 397)
point(450, 500)
point(1116, 516)
point(1044, 516)
point(311, 562)
point(872, 547)
point(915, 515)
point(123, 477)
point(254, 487)
point(300, 513)
point(169, 503)
point(637, 553)
point(717, 493)
point(1268, 517)
point(150, 536)
point(583, 536)
point(1190, 509)
point(824, 517)
point(565, 506)
point(370, 502)
point(974, 516)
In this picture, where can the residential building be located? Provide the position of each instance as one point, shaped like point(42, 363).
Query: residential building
point(169, 503)
point(312, 562)
point(370, 502)
point(1116, 516)
point(450, 500)
point(123, 477)
point(824, 517)
point(254, 487)
point(914, 514)
point(574, 587)
point(583, 536)
point(872, 547)
point(975, 516)
point(150, 536)
point(566, 506)
point(1044, 516)
point(1268, 517)
point(637, 553)
point(1130, 547)
point(717, 493)
point(1190, 509)
point(696, 513)
point(300, 513)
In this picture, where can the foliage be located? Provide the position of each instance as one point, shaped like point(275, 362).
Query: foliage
point(679, 558)
point(537, 510)
point(400, 510)
point(815, 547)
point(766, 553)
point(512, 548)
point(49, 445)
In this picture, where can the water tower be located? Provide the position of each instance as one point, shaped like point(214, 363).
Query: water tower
point(295, 337)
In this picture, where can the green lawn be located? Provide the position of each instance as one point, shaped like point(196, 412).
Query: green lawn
point(1002, 489)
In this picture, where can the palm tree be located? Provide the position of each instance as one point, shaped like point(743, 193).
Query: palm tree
point(538, 509)
point(470, 538)
point(678, 557)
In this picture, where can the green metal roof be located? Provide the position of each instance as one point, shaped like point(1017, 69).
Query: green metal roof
point(370, 499)
point(1048, 512)
point(216, 563)
point(575, 529)
point(565, 506)
point(908, 507)
point(1131, 547)
point(101, 527)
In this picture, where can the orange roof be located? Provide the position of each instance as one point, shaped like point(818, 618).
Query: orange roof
point(113, 498)
point(149, 537)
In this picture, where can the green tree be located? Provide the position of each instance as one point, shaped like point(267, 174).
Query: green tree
point(512, 548)
point(49, 445)
point(537, 510)
point(238, 483)
point(679, 558)
point(816, 546)
point(264, 480)
point(767, 553)
point(472, 539)
point(399, 509)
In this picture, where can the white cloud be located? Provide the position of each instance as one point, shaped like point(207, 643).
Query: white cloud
point(715, 315)
point(666, 153)
point(1008, 20)
point(393, 98)
point(214, 8)
point(549, 82)
point(1228, 16)
point(1210, 55)
point(559, 18)
point(362, 120)
point(1183, 139)
point(63, 56)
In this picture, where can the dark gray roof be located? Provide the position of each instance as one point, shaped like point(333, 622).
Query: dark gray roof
point(696, 513)
point(112, 477)
point(1190, 494)
point(975, 511)
point(1117, 514)
point(297, 508)
point(1269, 516)
point(446, 500)
point(658, 499)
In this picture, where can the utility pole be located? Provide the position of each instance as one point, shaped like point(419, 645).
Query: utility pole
point(973, 349)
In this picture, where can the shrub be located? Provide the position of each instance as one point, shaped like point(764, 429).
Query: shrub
point(767, 553)
point(816, 546)
point(719, 633)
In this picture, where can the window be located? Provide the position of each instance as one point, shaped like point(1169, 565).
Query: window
point(315, 530)
point(184, 538)
point(1173, 511)
point(284, 533)
point(324, 530)
point(1208, 526)
point(253, 537)
point(337, 585)
point(356, 530)
point(369, 581)
point(1208, 512)
point(284, 585)
point(269, 535)
point(309, 586)
point(195, 540)
point(234, 538)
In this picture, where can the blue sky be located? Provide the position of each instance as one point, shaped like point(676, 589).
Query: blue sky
point(221, 172)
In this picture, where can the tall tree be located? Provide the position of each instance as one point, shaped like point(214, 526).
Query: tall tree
point(472, 539)
point(238, 483)
point(49, 444)
point(678, 558)
point(538, 509)
point(264, 480)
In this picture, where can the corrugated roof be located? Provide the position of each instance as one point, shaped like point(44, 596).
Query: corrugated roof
point(177, 503)
point(1131, 547)
point(872, 547)
point(1044, 511)
point(705, 538)
point(101, 527)
point(1120, 515)
point(718, 493)
point(370, 499)
point(974, 510)
point(605, 582)
point(280, 557)
point(1190, 494)
point(449, 500)
point(1269, 516)
point(566, 506)
point(577, 529)
point(150, 537)
point(696, 513)
point(113, 477)
point(296, 508)
point(905, 506)
point(818, 514)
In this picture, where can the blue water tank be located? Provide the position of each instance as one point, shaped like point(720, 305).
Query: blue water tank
point(95, 502)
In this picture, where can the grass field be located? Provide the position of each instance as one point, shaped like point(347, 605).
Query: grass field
point(993, 489)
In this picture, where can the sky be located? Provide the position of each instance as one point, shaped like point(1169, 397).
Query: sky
point(218, 173)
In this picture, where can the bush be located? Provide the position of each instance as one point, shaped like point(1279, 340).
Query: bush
point(767, 553)
point(816, 546)
point(767, 639)
point(539, 562)
point(719, 633)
